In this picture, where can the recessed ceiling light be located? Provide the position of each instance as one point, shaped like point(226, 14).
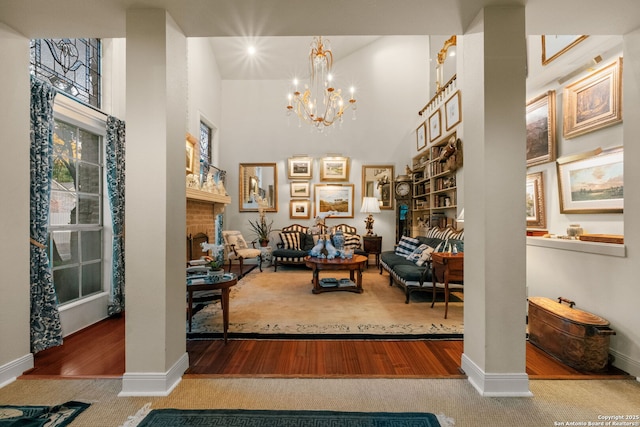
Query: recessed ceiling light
point(251, 50)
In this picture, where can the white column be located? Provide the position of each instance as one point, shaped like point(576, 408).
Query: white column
point(493, 91)
point(156, 109)
point(15, 356)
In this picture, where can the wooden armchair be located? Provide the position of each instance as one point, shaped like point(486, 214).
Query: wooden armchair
point(237, 249)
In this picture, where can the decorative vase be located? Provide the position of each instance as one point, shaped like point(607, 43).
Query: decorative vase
point(338, 240)
point(574, 230)
point(215, 275)
point(264, 242)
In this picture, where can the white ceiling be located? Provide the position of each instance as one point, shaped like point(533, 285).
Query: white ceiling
point(276, 58)
point(282, 29)
point(259, 18)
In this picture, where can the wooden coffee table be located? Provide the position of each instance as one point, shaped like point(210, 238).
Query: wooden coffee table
point(354, 265)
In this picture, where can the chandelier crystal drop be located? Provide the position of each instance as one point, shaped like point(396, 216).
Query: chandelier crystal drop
point(320, 104)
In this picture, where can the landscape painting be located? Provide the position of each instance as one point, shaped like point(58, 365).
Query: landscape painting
point(334, 201)
point(594, 184)
point(541, 129)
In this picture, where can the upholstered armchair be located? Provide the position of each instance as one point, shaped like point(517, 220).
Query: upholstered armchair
point(237, 249)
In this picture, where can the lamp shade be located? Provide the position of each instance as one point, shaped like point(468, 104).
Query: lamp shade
point(370, 205)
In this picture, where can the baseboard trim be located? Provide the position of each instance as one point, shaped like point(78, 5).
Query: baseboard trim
point(496, 385)
point(9, 372)
point(154, 383)
point(624, 362)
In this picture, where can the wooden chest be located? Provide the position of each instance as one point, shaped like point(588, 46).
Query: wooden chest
point(577, 338)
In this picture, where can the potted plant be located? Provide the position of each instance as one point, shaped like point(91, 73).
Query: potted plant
point(262, 229)
point(215, 261)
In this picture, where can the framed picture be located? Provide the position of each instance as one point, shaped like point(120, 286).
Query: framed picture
point(334, 200)
point(593, 102)
point(535, 201)
point(300, 189)
point(452, 108)
point(191, 147)
point(299, 209)
point(334, 169)
point(421, 136)
point(541, 129)
point(553, 46)
point(435, 130)
point(377, 181)
point(592, 183)
point(300, 168)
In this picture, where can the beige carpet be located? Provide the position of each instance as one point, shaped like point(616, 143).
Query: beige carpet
point(553, 401)
point(281, 302)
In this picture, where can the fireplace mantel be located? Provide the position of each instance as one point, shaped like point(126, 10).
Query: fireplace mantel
point(219, 201)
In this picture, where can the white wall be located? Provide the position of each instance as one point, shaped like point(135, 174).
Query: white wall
point(391, 78)
point(204, 91)
point(600, 284)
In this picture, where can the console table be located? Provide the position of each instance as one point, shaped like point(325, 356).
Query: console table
point(447, 267)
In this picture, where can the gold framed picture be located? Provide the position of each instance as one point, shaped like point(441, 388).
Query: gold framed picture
point(555, 45)
point(452, 108)
point(535, 201)
point(300, 189)
point(421, 136)
point(334, 169)
point(300, 168)
point(299, 209)
point(593, 102)
point(541, 129)
point(435, 129)
point(592, 183)
point(335, 200)
point(191, 148)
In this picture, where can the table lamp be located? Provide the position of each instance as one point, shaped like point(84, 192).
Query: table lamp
point(370, 205)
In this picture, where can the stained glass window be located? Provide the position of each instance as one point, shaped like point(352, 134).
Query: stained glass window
point(71, 65)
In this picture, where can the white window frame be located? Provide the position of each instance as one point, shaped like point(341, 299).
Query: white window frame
point(84, 312)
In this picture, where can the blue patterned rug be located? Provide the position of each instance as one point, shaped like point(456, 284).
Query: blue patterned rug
point(40, 416)
point(258, 418)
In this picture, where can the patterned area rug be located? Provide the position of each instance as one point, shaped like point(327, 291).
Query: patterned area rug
point(230, 418)
point(41, 416)
point(280, 304)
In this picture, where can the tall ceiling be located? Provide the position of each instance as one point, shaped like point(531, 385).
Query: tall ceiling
point(256, 18)
point(282, 30)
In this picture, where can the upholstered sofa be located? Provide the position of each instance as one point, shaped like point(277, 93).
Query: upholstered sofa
point(408, 264)
point(296, 241)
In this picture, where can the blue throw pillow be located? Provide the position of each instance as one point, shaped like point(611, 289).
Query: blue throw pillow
point(406, 246)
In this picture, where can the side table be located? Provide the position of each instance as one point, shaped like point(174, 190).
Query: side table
point(446, 268)
point(372, 245)
point(209, 283)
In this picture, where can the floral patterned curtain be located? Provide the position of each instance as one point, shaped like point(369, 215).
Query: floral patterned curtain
point(115, 183)
point(46, 329)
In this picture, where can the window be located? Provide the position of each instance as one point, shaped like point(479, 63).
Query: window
point(75, 213)
point(70, 65)
point(205, 144)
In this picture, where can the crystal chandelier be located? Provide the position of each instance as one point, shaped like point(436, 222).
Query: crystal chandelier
point(320, 104)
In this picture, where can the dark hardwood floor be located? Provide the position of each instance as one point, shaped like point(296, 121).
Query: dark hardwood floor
point(98, 352)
